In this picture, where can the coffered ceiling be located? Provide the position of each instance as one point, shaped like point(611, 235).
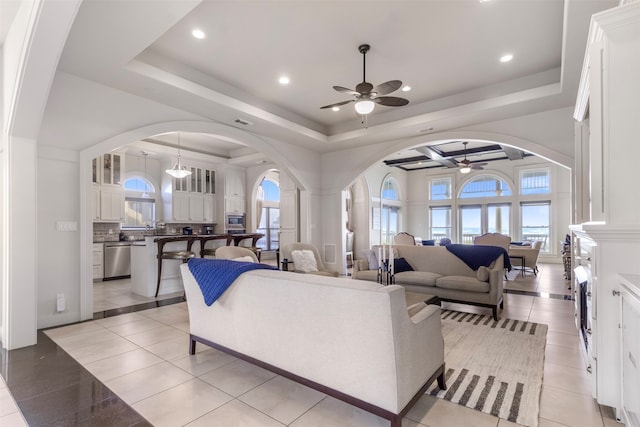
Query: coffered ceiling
point(447, 51)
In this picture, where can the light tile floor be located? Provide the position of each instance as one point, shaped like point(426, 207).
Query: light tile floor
point(117, 293)
point(143, 358)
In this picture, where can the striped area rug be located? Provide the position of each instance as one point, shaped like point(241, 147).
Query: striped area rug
point(493, 367)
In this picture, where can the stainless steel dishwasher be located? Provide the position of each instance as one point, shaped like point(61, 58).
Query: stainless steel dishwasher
point(117, 260)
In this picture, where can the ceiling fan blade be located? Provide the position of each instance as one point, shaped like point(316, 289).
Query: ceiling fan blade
point(476, 167)
point(337, 104)
point(391, 101)
point(345, 90)
point(387, 87)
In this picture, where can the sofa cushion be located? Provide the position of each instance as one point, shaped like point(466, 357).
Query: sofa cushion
point(372, 258)
point(304, 260)
point(483, 273)
point(244, 259)
point(421, 278)
point(399, 265)
point(462, 283)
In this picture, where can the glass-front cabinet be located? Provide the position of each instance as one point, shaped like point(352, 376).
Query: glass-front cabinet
point(111, 169)
point(209, 181)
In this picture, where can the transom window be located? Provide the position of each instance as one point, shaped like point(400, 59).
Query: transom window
point(534, 181)
point(440, 189)
point(485, 186)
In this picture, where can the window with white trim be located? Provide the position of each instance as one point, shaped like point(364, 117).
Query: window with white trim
point(536, 222)
point(535, 181)
point(440, 189)
point(139, 203)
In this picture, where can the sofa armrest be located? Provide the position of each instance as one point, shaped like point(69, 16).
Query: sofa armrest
point(420, 311)
point(360, 265)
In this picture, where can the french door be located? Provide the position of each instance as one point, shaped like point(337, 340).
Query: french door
point(476, 220)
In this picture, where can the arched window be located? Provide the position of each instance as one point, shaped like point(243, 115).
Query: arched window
point(268, 208)
point(138, 183)
point(390, 212)
point(139, 203)
point(485, 186)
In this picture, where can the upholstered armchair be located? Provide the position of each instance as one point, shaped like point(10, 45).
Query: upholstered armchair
point(404, 238)
point(234, 252)
point(493, 239)
point(529, 255)
point(305, 258)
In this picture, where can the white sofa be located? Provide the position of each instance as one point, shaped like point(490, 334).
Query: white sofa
point(354, 340)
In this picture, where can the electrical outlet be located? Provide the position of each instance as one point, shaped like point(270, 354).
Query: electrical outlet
point(60, 303)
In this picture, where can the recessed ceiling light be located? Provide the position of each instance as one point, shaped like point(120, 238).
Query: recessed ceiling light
point(406, 88)
point(335, 108)
point(506, 58)
point(198, 33)
point(284, 80)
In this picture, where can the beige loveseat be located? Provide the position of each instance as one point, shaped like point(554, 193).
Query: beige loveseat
point(439, 272)
point(324, 332)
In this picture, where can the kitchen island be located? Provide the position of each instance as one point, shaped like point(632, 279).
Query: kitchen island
point(144, 266)
point(144, 260)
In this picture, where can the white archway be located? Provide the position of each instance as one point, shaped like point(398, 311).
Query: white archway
point(369, 155)
point(221, 131)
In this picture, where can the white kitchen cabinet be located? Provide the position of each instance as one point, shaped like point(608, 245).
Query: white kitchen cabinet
point(95, 203)
point(196, 207)
point(107, 173)
point(234, 183)
point(98, 265)
point(235, 204)
point(112, 204)
point(112, 169)
point(180, 207)
point(209, 183)
point(210, 208)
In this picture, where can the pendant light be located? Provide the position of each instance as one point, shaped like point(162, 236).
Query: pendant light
point(178, 170)
point(145, 195)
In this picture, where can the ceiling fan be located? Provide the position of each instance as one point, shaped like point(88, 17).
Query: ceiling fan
point(366, 95)
point(466, 166)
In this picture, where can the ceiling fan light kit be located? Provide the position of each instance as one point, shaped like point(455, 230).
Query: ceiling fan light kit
point(366, 96)
point(466, 166)
point(364, 107)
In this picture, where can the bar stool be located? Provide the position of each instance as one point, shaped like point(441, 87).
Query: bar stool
point(212, 251)
point(237, 238)
point(184, 256)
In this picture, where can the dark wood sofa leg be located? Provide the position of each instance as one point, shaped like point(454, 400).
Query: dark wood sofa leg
point(495, 313)
point(441, 384)
point(502, 304)
point(192, 347)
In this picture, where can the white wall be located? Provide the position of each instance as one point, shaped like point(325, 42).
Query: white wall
point(57, 174)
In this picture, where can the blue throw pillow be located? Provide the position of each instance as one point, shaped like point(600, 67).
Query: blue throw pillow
point(399, 265)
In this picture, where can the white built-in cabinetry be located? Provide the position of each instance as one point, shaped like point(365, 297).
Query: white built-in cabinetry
point(193, 198)
point(108, 191)
point(234, 194)
point(630, 348)
point(609, 93)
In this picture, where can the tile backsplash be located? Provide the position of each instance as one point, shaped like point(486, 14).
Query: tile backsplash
point(110, 232)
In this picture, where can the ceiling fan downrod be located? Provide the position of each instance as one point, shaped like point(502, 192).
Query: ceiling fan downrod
point(363, 49)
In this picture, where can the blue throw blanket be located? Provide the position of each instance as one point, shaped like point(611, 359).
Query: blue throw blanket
point(214, 276)
point(476, 256)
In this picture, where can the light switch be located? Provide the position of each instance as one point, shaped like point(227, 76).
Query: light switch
point(66, 226)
